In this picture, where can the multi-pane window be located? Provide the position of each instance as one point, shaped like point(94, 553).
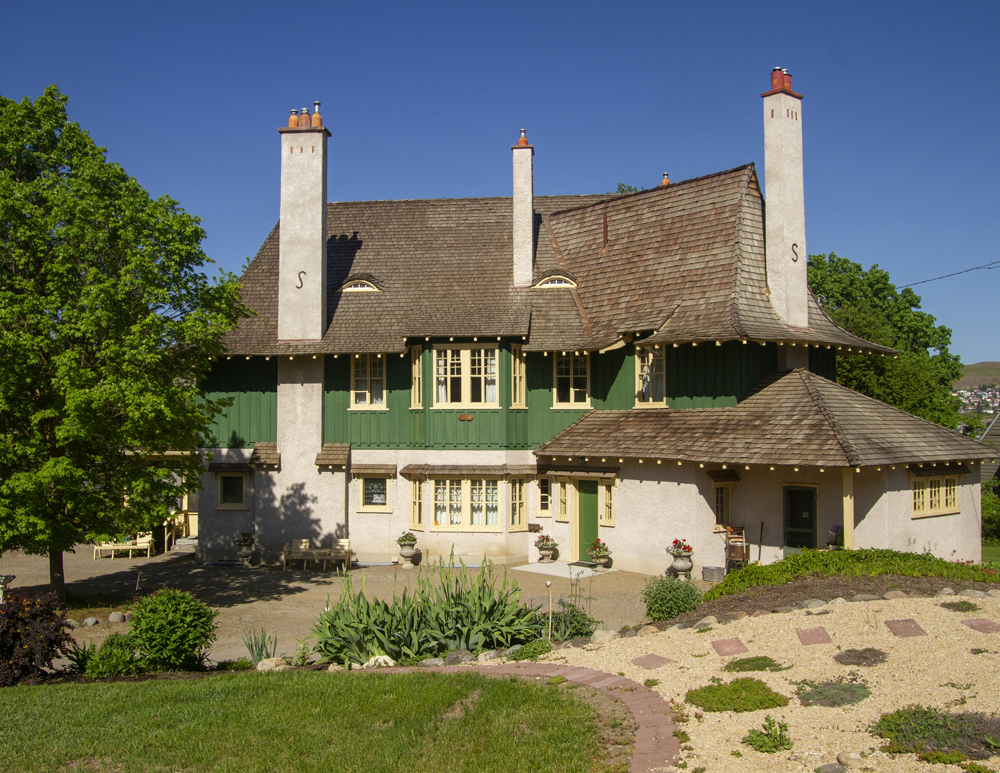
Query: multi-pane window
point(562, 500)
point(572, 380)
point(544, 498)
point(517, 395)
point(935, 496)
point(466, 377)
point(518, 521)
point(368, 381)
point(231, 492)
point(416, 377)
point(723, 505)
point(650, 375)
point(608, 504)
point(374, 494)
point(416, 505)
point(467, 504)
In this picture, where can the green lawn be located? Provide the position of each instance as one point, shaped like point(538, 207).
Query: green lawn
point(991, 554)
point(298, 721)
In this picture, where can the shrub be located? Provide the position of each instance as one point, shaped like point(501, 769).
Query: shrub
point(456, 613)
point(32, 634)
point(771, 739)
point(531, 651)
point(668, 597)
point(569, 622)
point(959, 606)
point(756, 663)
point(115, 657)
point(746, 694)
point(833, 694)
point(172, 630)
point(259, 644)
point(847, 563)
point(926, 731)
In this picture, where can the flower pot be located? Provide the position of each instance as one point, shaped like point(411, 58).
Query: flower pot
point(547, 555)
point(244, 550)
point(407, 550)
point(602, 561)
point(682, 564)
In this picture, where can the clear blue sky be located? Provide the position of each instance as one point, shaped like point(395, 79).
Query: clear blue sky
point(424, 100)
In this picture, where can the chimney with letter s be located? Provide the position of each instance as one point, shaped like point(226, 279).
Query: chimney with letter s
point(785, 214)
point(524, 212)
point(302, 231)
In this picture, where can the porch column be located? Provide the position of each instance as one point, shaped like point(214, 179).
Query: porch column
point(849, 508)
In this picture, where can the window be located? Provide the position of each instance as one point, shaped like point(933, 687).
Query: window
point(466, 377)
point(416, 505)
point(562, 494)
point(467, 505)
point(375, 494)
point(232, 492)
point(359, 286)
point(517, 399)
point(518, 522)
point(572, 381)
point(416, 377)
point(723, 496)
point(651, 382)
point(368, 380)
point(934, 496)
point(544, 499)
point(608, 508)
point(555, 281)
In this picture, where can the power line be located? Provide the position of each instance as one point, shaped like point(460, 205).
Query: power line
point(987, 266)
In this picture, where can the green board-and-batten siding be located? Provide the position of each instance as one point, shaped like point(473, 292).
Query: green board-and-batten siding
point(252, 385)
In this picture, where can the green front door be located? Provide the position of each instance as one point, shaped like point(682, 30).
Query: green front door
point(800, 517)
point(587, 530)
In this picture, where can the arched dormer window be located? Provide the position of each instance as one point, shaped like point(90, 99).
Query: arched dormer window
point(358, 286)
point(555, 281)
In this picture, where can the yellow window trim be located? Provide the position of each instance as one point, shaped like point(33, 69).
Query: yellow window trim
point(368, 406)
point(359, 286)
point(943, 508)
point(639, 403)
point(362, 507)
point(466, 376)
point(556, 405)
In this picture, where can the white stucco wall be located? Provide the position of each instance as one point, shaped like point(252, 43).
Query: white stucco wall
point(524, 216)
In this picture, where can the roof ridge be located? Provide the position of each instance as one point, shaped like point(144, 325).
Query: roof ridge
point(601, 196)
point(850, 451)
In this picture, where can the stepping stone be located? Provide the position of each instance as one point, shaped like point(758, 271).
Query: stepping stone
point(865, 597)
point(652, 661)
point(729, 647)
point(889, 595)
point(812, 604)
point(904, 628)
point(817, 635)
point(982, 625)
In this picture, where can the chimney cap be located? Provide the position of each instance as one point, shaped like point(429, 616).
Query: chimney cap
point(523, 139)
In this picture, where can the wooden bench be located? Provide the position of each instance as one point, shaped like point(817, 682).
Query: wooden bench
point(142, 542)
point(302, 550)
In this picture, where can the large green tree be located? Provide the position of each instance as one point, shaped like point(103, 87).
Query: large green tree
point(107, 324)
point(867, 304)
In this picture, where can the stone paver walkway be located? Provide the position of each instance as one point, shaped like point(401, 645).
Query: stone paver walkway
point(904, 628)
point(982, 625)
point(729, 647)
point(655, 746)
point(817, 635)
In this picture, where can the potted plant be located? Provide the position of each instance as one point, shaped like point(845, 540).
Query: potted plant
point(546, 548)
point(407, 542)
point(599, 553)
point(836, 541)
point(245, 545)
point(681, 552)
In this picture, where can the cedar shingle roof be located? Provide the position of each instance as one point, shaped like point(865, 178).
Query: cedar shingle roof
point(334, 455)
point(798, 418)
point(265, 455)
point(685, 261)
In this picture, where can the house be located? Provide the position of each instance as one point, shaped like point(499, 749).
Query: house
point(636, 367)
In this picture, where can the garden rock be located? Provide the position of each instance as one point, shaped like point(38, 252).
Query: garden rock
point(601, 638)
point(812, 604)
point(457, 657)
point(630, 633)
point(732, 617)
point(649, 630)
point(384, 661)
point(893, 594)
point(995, 592)
point(507, 652)
point(578, 641)
point(707, 622)
point(273, 664)
point(807, 758)
point(70, 623)
point(851, 760)
point(783, 610)
point(973, 594)
point(438, 662)
point(760, 613)
point(866, 597)
point(334, 668)
point(116, 617)
point(90, 622)
point(487, 655)
point(831, 767)
point(944, 592)
point(128, 617)
point(838, 600)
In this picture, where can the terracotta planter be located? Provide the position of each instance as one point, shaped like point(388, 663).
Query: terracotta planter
point(547, 555)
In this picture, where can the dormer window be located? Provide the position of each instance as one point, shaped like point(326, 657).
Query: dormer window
point(359, 286)
point(555, 281)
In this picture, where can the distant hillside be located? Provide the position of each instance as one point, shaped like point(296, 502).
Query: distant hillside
point(978, 373)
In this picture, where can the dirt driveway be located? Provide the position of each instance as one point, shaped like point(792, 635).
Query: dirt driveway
point(286, 603)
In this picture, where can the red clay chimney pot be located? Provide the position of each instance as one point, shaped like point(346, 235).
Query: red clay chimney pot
point(317, 119)
point(522, 141)
point(293, 119)
point(787, 80)
point(777, 79)
point(304, 120)
point(665, 180)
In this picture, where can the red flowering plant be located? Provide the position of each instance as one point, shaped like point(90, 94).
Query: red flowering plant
point(545, 542)
point(598, 548)
point(680, 547)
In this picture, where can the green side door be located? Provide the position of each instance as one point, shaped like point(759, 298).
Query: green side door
point(800, 517)
point(587, 530)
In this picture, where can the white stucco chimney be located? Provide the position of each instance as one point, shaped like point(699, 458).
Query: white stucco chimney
point(524, 212)
point(302, 231)
point(785, 213)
